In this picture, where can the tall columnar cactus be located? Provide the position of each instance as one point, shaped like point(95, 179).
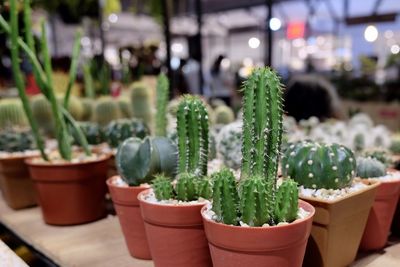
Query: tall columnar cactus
point(141, 103)
point(12, 114)
point(162, 187)
point(286, 201)
point(319, 165)
point(370, 168)
point(223, 115)
point(106, 110)
point(193, 139)
point(162, 101)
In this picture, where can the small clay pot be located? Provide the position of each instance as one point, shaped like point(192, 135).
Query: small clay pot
point(70, 193)
point(127, 206)
point(381, 215)
point(175, 234)
point(16, 184)
point(237, 246)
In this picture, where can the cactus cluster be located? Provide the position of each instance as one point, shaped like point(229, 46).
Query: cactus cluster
point(16, 141)
point(141, 103)
point(162, 101)
point(119, 130)
point(368, 167)
point(106, 110)
point(12, 114)
point(318, 165)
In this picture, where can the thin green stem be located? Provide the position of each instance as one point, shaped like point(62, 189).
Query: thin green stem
point(74, 66)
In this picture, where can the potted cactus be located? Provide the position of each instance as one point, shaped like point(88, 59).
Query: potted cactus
point(381, 215)
point(172, 211)
point(253, 222)
point(325, 174)
point(69, 184)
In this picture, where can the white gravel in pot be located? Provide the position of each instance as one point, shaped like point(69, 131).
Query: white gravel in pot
point(332, 194)
point(151, 198)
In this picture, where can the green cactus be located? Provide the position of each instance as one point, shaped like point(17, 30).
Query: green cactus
point(41, 111)
point(225, 197)
point(87, 109)
point(12, 114)
point(193, 139)
point(106, 110)
point(125, 107)
point(379, 154)
point(223, 115)
point(370, 168)
point(162, 187)
point(141, 103)
point(93, 132)
point(16, 140)
point(359, 142)
point(286, 201)
point(162, 100)
point(119, 130)
point(204, 187)
point(139, 160)
point(186, 187)
point(319, 165)
point(229, 144)
point(74, 107)
point(395, 144)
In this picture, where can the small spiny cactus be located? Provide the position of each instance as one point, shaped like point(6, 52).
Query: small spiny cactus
point(223, 115)
point(370, 168)
point(141, 103)
point(162, 187)
point(186, 187)
point(125, 107)
point(106, 110)
point(286, 201)
point(12, 114)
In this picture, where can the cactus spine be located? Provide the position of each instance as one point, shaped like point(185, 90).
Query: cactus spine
point(162, 187)
point(370, 168)
point(286, 201)
point(162, 100)
point(193, 140)
point(12, 114)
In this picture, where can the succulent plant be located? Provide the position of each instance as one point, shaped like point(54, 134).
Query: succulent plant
point(93, 132)
point(75, 107)
point(139, 160)
point(395, 144)
point(193, 139)
point(41, 111)
point(370, 168)
point(286, 201)
point(87, 109)
point(319, 165)
point(125, 107)
point(204, 188)
point(223, 115)
point(162, 101)
point(119, 130)
point(229, 145)
point(162, 187)
point(141, 103)
point(361, 119)
point(106, 110)
point(12, 113)
point(380, 154)
point(186, 187)
point(16, 140)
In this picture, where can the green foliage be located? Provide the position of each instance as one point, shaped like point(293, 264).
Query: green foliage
point(193, 139)
point(74, 107)
point(286, 201)
point(16, 140)
point(223, 115)
point(204, 188)
point(93, 133)
point(395, 144)
point(119, 130)
point(186, 187)
point(106, 110)
point(87, 109)
point(41, 111)
point(139, 160)
point(162, 101)
point(319, 165)
point(12, 113)
point(162, 187)
point(370, 168)
point(125, 107)
point(141, 103)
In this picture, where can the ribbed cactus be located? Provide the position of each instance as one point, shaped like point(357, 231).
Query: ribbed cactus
point(186, 187)
point(41, 111)
point(141, 103)
point(87, 109)
point(225, 197)
point(162, 101)
point(286, 201)
point(93, 132)
point(193, 139)
point(125, 107)
point(204, 188)
point(74, 107)
point(319, 165)
point(223, 115)
point(162, 187)
point(106, 110)
point(119, 130)
point(379, 154)
point(370, 168)
point(16, 141)
point(12, 114)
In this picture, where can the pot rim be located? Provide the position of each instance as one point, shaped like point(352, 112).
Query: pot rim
point(20, 156)
point(372, 185)
point(29, 161)
point(182, 205)
point(110, 179)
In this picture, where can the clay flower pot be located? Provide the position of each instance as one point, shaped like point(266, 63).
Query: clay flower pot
point(337, 229)
point(70, 193)
point(175, 234)
point(16, 184)
point(127, 206)
point(381, 215)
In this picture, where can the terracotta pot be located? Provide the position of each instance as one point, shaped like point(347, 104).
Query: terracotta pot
point(381, 215)
point(16, 184)
point(175, 234)
point(236, 246)
point(127, 206)
point(112, 169)
point(70, 193)
point(337, 228)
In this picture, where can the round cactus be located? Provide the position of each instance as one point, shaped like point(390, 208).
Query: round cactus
point(12, 113)
point(319, 165)
point(119, 130)
point(16, 141)
point(125, 107)
point(41, 110)
point(223, 115)
point(395, 144)
point(87, 109)
point(75, 107)
point(141, 103)
point(229, 145)
point(370, 168)
point(106, 110)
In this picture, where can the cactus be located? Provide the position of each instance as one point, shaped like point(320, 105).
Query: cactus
point(229, 144)
point(379, 154)
point(119, 130)
point(286, 201)
point(162, 187)
point(193, 139)
point(12, 114)
point(93, 132)
point(395, 144)
point(186, 187)
point(204, 187)
point(370, 168)
point(223, 115)
point(41, 111)
point(319, 165)
point(106, 110)
point(141, 103)
point(361, 119)
point(125, 107)
point(74, 107)
point(16, 141)
point(139, 160)
point(225, 197)
point(87, 109)
point(162, 100)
